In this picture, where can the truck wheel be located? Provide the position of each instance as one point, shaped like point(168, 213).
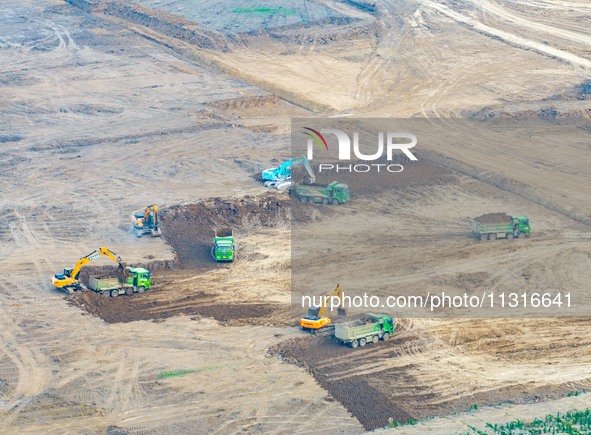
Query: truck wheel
point(114, 293)
point(140, 289)
point(386, 336)
point(492, 236)
point(303, 199)
point(325, 201)
point(375, 339)
point(354, 344)
point(362, 341)
point(128, 291)
point(520, 235)
point(510, 236)
point(335, 201)
point(105, 293)
point(483, 237)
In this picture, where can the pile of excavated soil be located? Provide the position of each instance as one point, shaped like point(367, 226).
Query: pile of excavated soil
point(353, 377)
point(189, 229)
point(494, 218)
point(369, 405)
point(150, 306)
point(415, 173)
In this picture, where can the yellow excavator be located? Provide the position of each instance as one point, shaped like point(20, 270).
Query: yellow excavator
point(317, 320)
point(147, 222)
point(68, 281)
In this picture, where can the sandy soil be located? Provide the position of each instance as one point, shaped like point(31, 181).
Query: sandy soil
point(108, 106)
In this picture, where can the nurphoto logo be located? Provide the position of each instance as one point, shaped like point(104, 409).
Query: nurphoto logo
point(387, 144)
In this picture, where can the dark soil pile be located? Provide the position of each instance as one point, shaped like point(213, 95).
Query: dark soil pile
point(151, 306)
point(189, 229)
point(494, 218)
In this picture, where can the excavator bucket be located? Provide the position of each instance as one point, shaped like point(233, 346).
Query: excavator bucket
point(122, 272)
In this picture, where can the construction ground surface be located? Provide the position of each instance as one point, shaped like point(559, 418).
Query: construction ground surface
point(107, 106)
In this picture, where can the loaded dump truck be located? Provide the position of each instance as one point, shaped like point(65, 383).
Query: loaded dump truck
point(500, 226)
point(334, 193)
point(223, 245)
point(137, 281)
point(366, 330)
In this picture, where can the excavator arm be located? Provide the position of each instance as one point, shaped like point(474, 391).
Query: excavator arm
point(303, 160)
point(338, 292)
point(317, 317)
point(69, 279)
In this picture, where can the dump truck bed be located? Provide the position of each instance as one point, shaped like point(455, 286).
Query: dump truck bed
point(478, 227)
point(223, 232)
point(347, 331)
point(104, 283)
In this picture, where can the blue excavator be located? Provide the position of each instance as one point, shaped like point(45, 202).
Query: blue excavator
point(280, 178)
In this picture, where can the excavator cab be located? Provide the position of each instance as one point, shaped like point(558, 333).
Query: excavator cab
point(67, 273)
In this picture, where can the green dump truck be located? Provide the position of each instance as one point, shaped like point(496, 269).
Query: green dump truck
point(366, 330)
point(334, 193)
point(224, 248)
point(138, 281)
point(500, 226)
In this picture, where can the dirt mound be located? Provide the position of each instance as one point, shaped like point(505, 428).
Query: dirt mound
point(223, 232)
point(368, 404)
point(153, 305)
point(420, 172)
point(169, 24)
point(494, 218)
point(548, 114)
point(373, 395)
point(231, 104)
point(189, 229)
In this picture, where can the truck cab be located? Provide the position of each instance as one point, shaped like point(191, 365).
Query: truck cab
point(223, 245)
point(521, 225)
point(339, 191)
point(140, 277)
point(224, 250)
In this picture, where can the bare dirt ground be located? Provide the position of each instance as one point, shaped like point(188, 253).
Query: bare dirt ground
point(106, 106)
point(440, 369)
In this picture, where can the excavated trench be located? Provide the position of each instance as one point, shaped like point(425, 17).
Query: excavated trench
point(189, 230)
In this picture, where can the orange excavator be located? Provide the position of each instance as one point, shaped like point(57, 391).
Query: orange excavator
point(317, 320)
point(68, 281)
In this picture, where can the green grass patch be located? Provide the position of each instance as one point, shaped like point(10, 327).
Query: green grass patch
point(569, 423)
point(185, 372)
point(266, 11)
point(573, 422)
point(175, 373)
